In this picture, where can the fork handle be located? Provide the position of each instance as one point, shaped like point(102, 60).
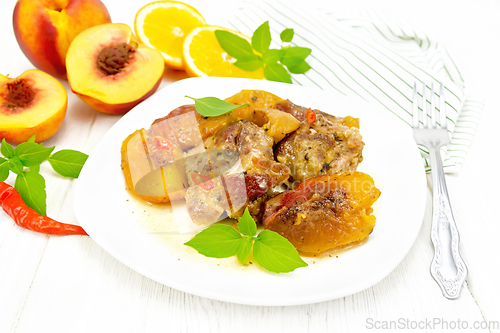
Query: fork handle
point(447, 268)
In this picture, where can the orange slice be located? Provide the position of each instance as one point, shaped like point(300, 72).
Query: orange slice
point(203, 55)
point(163, 25)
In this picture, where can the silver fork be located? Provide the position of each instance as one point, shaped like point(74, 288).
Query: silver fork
point(447, 267)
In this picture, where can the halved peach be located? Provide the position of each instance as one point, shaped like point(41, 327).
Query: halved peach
point(32, 104)
point(110, 70)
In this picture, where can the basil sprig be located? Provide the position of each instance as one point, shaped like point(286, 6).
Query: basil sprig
point(31, 186)
point(213, 106)
point(273, 61)
point(270, 250)
point(25, 162)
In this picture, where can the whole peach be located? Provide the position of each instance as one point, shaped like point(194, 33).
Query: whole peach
point(44, 29)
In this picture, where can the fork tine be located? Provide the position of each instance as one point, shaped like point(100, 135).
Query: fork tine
point(415, 106)
point(433, 107)
point(424, 105)
point(442, 106)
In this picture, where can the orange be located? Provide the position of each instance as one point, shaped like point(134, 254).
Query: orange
point(163, 25)
point(203, 55)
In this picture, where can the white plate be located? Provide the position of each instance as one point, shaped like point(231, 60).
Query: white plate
point(113, 219)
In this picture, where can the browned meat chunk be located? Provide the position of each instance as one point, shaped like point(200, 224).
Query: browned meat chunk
point(252, 176)
point(254, 147)
point(206, 201)
point(179, 126)
point(217, 185)
point(323, 147)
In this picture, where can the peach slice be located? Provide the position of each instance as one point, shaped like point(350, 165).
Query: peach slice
point(33, 103)
point(110, 70)
point(45, 29)
point(145, 178)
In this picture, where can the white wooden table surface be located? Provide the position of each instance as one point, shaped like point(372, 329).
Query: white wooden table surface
point(70, 284)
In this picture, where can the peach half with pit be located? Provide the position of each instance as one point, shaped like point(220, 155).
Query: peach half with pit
point(34, 103)
point(110, 70)
point(44, 29)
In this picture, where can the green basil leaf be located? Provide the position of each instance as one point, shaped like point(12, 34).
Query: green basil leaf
point(249, 63)
point(15, 165)
point(68, 163)
point(295, 55)
point(246, 224)
point(275, 253)
point(4, 169)
point(234, 45)
point(287, 35)
point(261, 38)
point(217, 241)
point(272, 56)
point(6, 149)
point(31, 153)
point(244, 248)
point(35, 168)
point(277, 72)
point(31, 186)
point(32, 138)
point(213, 106)
point(300, 68)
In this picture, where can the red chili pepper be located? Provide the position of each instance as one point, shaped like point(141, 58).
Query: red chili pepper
point(311, 116)
point(195, 177)
point(25, 217)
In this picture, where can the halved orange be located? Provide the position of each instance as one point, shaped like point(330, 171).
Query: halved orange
point(163, 25)
point(203, 55)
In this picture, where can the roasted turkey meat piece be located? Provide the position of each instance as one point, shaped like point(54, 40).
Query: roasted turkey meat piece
point(206, 202)
point(300, 113)
point(258, 172)
point(179, 126)
point(320, 148)
point(254, 147)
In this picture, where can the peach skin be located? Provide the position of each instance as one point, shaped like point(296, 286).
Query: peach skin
point(44, 29)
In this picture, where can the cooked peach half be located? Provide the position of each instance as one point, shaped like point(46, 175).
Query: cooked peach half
point(110, 70)
point(32, 104)
point(324, 213)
